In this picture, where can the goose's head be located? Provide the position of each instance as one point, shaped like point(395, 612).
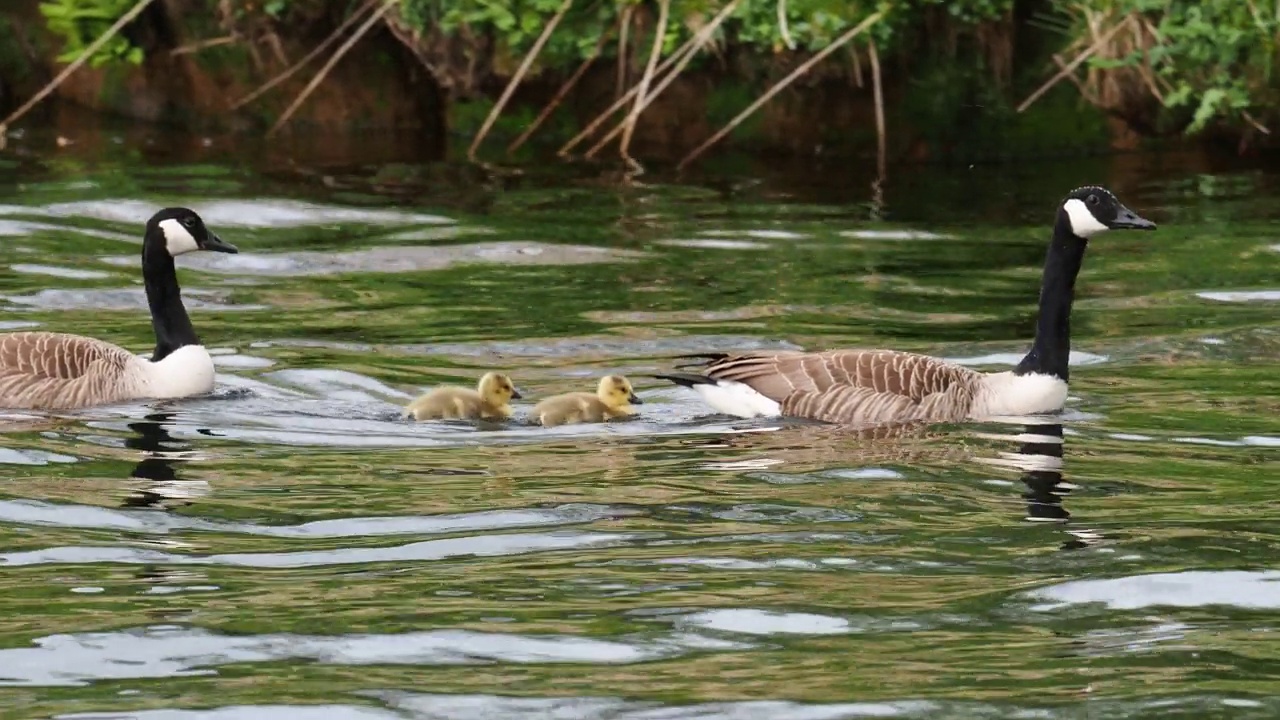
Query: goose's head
point(615, 391)
point(177, 231)
point(497, 389)
point(1092, 209)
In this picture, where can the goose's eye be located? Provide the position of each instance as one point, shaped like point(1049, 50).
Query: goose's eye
point(1093, 200)
point(189, 222)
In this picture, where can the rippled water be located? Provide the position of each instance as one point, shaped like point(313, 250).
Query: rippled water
point(288, 549)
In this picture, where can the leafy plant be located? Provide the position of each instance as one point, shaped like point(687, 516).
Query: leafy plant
point(81, 22)
point(1207, 61)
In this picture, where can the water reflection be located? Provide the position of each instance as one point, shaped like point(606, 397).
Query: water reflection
point(158, 468)
point(1040, 457)
point(1042, 473)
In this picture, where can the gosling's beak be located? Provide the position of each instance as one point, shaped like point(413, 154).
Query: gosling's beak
point(216, 244)
point(1127, 219)
point(634, 400)
point(515, 394)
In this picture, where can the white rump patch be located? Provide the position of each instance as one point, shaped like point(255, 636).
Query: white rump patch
point(177, 239)
point(1083, 223)
point(735, 398)
point(185, 372)
point(1009, 394)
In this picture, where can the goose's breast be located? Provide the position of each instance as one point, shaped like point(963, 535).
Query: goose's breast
point(1009, 394)
point(185, 372)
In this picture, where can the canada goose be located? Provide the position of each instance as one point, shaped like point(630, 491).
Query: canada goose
point(47, 371)
point(489, 401)
point(884, 386)
point(613, 398)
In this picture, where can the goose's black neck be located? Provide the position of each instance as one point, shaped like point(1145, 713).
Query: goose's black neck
point(1052, 345)
point(168, 316)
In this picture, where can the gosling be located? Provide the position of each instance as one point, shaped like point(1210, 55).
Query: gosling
point(613, 398)
point(491, 400)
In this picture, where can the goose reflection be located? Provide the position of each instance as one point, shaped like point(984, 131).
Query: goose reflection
point(158, 469)
point(1040, 458)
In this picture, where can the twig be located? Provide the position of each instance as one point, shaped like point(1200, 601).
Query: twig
point(563, 91)
point(315, 52)
point(514, 82)
point(203, 45)
point(1071, 66)
point(782, 25)
point(83, 57)
point(328, 66)
point(877, 91)
point(699, 41)
point(780, 86)
point(660, 34)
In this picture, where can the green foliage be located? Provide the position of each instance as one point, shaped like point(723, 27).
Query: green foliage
point(1219, 56)
point(1215, 58)
point(810, 24)
point(80, 22)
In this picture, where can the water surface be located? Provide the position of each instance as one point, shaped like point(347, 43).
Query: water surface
point(287, 548)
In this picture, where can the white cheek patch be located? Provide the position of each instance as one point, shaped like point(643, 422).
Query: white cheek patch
point(177, 239)
point(1083, 223)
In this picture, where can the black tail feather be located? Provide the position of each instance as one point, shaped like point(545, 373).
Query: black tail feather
point(685, 379)
point(707, 359)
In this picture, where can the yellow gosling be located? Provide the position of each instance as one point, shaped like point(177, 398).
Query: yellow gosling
point(491, 400)
point(612, 399)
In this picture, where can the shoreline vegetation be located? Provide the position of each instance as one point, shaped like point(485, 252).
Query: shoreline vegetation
point(669, 79)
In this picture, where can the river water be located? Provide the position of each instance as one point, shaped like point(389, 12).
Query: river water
point(286, 548)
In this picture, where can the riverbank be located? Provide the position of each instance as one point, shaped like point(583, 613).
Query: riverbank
point(952, 86)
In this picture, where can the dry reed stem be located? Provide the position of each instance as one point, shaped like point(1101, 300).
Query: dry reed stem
point(780, 86)
point(857, 68)
point(1071, 66)
point(1256, 125)
point(621, 80)
point(1144, 67)
point(315, 52)
point(1085, 92)
point(514, 82)
point(783, 30)
point(700, 40)
point(332, 62)
point(877, 91)
point(564, 90)
point(203, 45)
point(659, 35)
point(602, 117)
point(83, 57)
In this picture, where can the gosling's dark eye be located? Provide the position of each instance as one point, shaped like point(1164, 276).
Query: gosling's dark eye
point(1093, 200)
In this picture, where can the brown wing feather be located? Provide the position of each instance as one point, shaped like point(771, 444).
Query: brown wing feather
point(58, 371)
point(854, 386)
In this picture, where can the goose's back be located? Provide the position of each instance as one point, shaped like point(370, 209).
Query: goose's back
point(855, 386)
point(51, 371)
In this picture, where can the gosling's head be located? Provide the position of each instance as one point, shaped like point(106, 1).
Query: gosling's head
point(615, 391)
point(497, 389)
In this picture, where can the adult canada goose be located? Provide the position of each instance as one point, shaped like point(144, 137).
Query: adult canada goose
point(884, 386)
point(47, 371)
point(489, 401)
point(613, 398)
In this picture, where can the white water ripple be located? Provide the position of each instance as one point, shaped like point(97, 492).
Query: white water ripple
point(476, 546)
